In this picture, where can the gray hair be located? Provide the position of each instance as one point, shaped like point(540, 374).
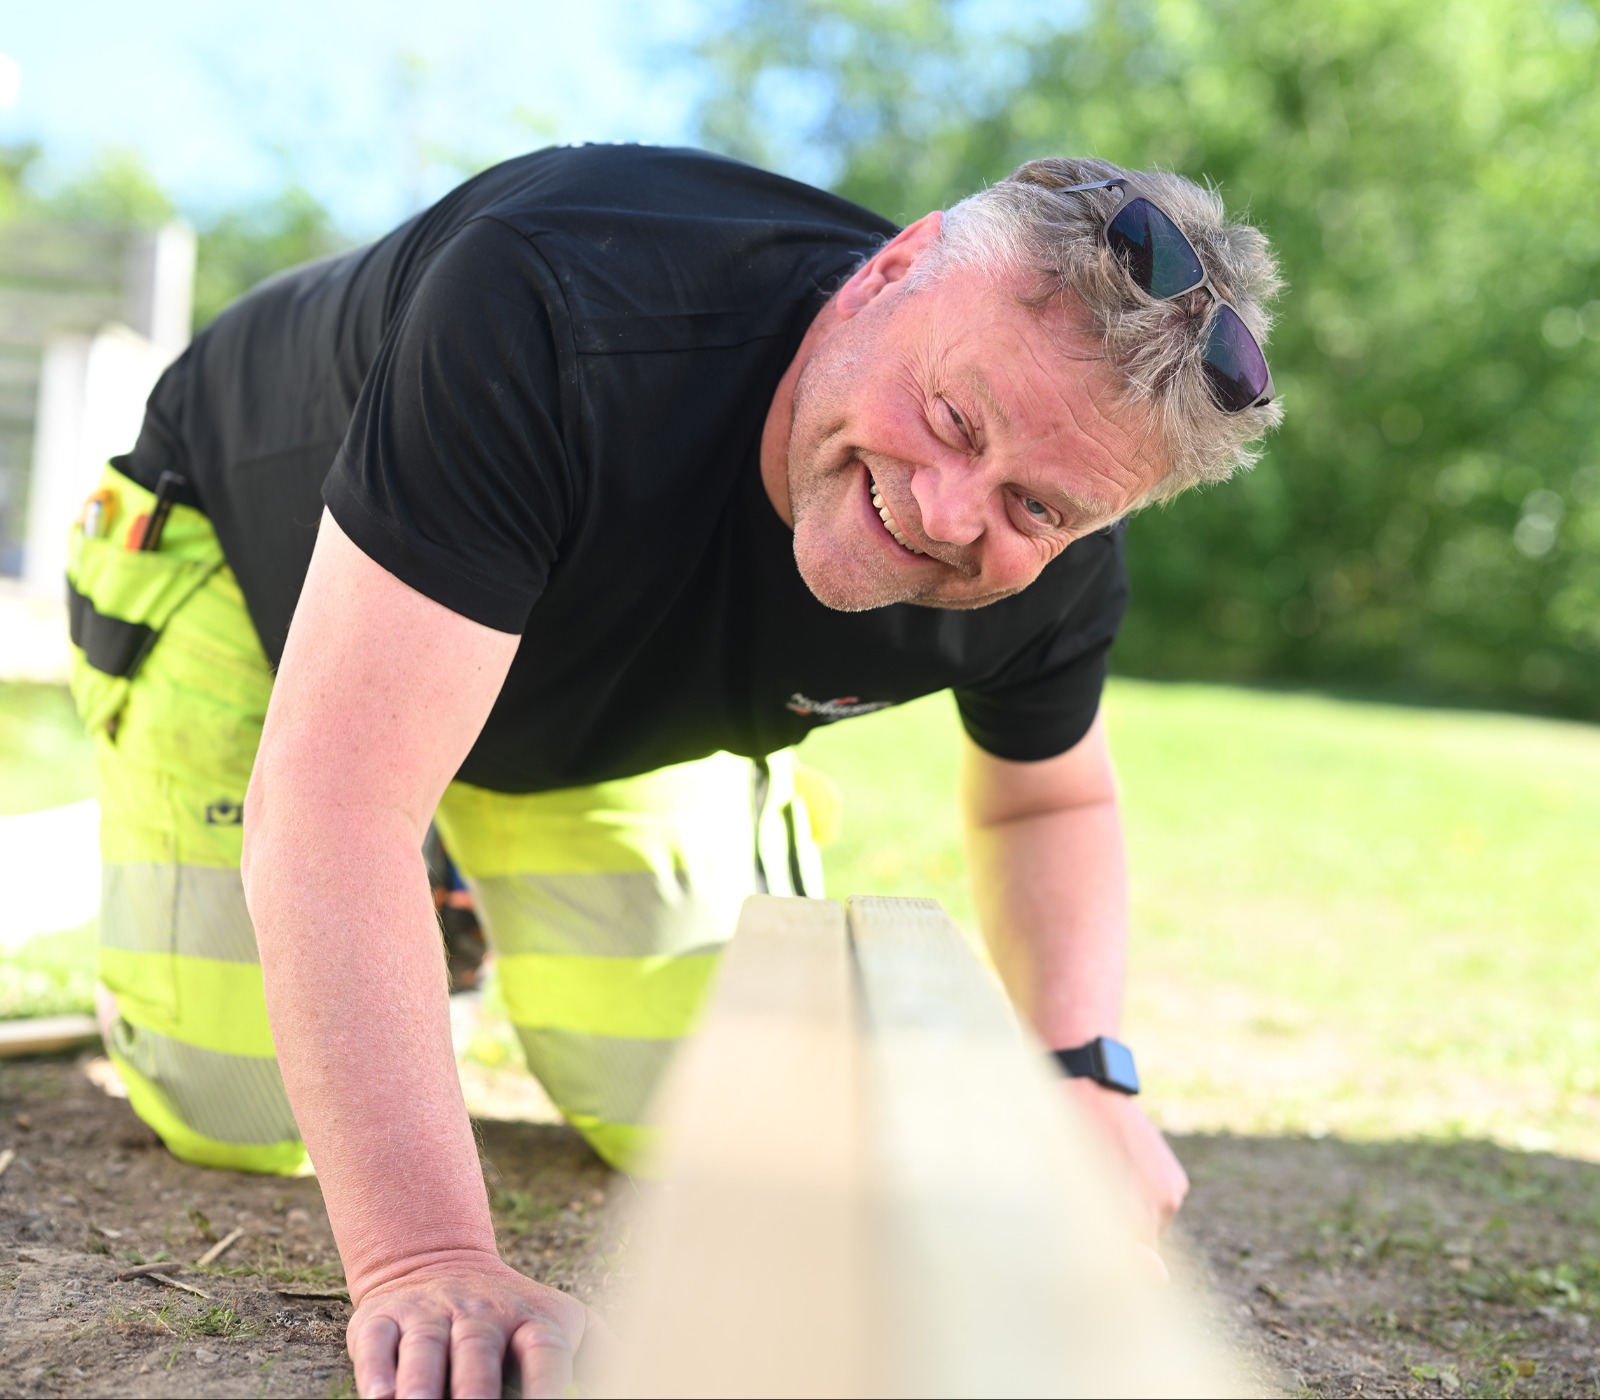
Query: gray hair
point(1025, 233)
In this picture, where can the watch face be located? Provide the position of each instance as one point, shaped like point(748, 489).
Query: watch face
point(1117, 1061)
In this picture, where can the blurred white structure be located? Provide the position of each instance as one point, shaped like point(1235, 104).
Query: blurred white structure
point(89, 317)
point(50, 864)
point(92, 390)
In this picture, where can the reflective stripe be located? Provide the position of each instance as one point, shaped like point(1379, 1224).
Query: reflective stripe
point(215, 1005)
point(601, 1076)
point(628, 915)
point(645, 998)
point(195, 911)
point(227, 1098)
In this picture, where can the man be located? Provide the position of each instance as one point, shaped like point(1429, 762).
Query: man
point(632, 467)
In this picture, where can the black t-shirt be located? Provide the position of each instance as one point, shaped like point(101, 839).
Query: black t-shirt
point(540, 403)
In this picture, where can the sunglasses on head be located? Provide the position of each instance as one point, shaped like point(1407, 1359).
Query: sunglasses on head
point(1162, 261)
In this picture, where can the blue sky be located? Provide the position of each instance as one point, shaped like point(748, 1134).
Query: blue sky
point(374, 104)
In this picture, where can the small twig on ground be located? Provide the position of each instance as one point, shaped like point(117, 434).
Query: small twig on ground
point(220, 1248)
point(339, 1294)
point(7, 1158)
point(166, 1266)
point(169, 1282)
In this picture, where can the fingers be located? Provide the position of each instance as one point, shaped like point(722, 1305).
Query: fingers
point(1173, 1189)
point(477, 1358)
point(424, 1353)
point(544, 1356)
point(372, 1346)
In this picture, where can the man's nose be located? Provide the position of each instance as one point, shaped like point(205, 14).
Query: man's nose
point(951, 502)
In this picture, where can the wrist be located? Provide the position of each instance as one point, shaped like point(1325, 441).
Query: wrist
point(379, 1277)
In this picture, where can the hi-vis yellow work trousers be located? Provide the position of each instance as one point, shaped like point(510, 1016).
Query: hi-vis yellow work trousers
point(607, 906)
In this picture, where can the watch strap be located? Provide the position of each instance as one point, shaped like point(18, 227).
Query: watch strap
point(1106, 1061)
point(1078, 1062)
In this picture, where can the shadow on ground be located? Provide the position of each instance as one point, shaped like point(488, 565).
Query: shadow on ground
point(1343, 1268)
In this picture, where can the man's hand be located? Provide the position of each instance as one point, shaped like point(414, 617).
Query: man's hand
point(1159, 1182)
point(466, 1320)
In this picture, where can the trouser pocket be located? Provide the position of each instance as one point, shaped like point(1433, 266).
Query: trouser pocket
point(120, 597)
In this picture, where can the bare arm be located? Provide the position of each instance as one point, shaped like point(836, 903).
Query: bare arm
point(365, 729)
point(1050, 876)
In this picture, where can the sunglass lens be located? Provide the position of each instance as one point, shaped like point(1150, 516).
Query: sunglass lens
point(1234, 364)
point(1159, 258)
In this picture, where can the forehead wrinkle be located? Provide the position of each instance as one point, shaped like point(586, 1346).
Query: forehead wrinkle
point(1067, 433)
point(1119, 458)
point(979, 385)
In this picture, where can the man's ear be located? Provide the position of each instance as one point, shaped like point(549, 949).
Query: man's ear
point(889, 264)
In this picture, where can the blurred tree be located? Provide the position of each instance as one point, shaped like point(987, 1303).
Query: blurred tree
point(244, 245)
point(1429, 517)
point(116, 188)
point(238, 245)
point(15, 162)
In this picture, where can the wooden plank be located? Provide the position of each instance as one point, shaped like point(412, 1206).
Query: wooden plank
point(749, 1276)
point(1003, 1257)
point(44, 1035)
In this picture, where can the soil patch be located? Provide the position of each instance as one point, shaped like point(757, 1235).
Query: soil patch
point(1386, 1269)
point(92, 1193)
point(1402, 1268)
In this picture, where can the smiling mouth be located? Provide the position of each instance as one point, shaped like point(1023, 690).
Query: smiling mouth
point(889, 522)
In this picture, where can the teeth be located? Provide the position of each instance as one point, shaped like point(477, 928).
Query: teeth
point(888, 520)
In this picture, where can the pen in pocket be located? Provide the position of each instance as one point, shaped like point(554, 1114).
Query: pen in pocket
point(145, 534)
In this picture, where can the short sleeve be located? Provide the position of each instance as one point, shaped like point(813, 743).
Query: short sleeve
point(454, 475)
point(1044, 699)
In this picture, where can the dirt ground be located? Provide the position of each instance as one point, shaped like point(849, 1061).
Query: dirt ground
point(1345, 1269)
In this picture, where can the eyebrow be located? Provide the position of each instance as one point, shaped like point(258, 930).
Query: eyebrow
point(980, 386)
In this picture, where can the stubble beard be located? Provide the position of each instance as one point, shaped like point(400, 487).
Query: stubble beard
point(845, 570)
point(842, 569)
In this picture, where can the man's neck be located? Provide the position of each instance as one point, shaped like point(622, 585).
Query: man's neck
point(780, 416)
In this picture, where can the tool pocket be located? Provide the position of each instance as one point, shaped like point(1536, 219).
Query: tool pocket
point(120, 598)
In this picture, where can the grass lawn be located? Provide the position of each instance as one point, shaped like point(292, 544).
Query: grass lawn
point(1349, 918)
point(45, 761)
point(1357, 919)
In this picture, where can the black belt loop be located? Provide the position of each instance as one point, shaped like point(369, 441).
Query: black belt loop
point(796, 879)
point(760, 785)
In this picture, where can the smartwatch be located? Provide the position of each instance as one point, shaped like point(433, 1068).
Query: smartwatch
point(1104, 1060)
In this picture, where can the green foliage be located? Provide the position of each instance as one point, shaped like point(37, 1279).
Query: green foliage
point(239, 245)
point(52, 974)
point(117, 188)
point(243, 246)
point(1429, 517)
point(15, 162)
point(46, 760)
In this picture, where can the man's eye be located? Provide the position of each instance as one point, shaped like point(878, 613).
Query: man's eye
point(958, 420)
point(1039, 512)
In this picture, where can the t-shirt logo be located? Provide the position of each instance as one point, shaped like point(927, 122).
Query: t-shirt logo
point(829, 710)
